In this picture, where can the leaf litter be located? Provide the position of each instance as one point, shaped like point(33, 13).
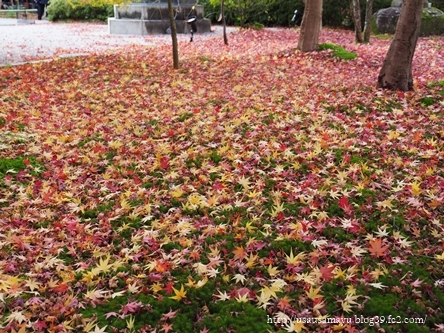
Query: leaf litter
point(255, 178)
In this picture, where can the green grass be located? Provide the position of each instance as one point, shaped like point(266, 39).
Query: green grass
point(338, 51)
point(383, 36)
point(20, 163)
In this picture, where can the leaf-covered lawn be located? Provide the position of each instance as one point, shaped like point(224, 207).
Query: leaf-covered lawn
point(254, 186)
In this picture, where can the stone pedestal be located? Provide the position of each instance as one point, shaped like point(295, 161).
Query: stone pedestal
point(152, 18)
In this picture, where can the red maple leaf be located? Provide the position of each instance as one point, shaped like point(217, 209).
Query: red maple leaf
point(218, 186)
point(327, 271)
point(164, 162)
point(343, 202)
point(169, 288)
point(41, 325)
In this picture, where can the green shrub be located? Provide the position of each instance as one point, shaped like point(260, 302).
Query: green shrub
point(78, 10)
point(244, 12)
point(279, 12)
point(432, 23)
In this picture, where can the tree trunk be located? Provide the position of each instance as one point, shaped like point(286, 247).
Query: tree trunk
point(355, 9)
point(310, 26)
point(173, 35)
point(368, 21)
point(396, 71)
point(224, 23)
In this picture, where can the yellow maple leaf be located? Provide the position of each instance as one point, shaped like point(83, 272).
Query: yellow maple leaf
point(251, 261)
point(249, 228)
point(387, 203)
point(32, 284)
point(179, 294)
point(440, 256)
point(156, 287)
point(177, 192)
point(292, 260)
point(268, 293)
point(115, 144)
point(242, 298)
point(339, 273)
point(314, 293)
point(104, 265)
point(245, 182)
point(263, 300)
point(351, 290)
point(272, 271)
point(124, 204)
point(416, 189)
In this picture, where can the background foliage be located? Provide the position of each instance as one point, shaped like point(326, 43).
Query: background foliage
point(81, 9)
point(280, 12)
point(238, 12)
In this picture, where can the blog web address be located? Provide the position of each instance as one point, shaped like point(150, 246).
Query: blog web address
point(288, 322)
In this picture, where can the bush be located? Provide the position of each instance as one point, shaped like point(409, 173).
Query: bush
point(432, 23)
point(79, 10)
point(279, 12)
point(243, 12)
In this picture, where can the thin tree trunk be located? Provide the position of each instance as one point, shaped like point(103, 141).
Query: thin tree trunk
point(310, 26)
point(355, 8)
point(396, 71)
point(173, 35)
point(368, 20)
point(224, 23)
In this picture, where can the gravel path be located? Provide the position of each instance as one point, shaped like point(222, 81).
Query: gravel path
point(20, 43)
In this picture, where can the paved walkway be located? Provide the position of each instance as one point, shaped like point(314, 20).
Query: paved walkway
point(39, 40)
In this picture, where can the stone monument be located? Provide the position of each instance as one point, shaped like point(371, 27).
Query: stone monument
point(151, 17)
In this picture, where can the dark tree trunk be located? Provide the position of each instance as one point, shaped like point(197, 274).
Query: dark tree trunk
point(310, 26)
point(396, 71)
point(173, 35)
point(355, 9)
point(368, 20)
point(224, 23)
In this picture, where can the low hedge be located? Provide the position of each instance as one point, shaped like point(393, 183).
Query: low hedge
point(79, 11)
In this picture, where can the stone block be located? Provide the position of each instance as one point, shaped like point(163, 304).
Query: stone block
point(153, 18)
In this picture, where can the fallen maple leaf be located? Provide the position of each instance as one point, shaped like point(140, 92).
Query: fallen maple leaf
point(314, 293)
point(376, 248)
point(179, 294)
point(327, 271)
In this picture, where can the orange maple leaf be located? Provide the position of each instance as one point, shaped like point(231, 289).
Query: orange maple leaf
point(239, 253)
point(376, 248)
point(162, 267)
point(61, 288)
point(284, 303)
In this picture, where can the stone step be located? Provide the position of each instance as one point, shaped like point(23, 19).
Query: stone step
point(153, 18)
